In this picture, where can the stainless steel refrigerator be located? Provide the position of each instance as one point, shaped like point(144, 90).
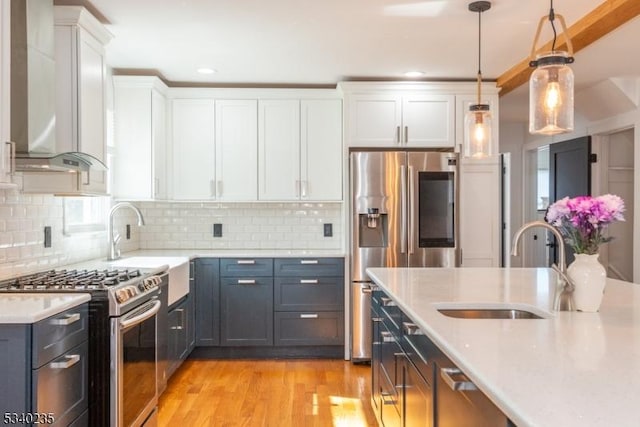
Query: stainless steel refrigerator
point(403, 214)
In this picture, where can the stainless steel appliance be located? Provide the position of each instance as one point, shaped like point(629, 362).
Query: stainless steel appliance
point(403, 214)
point(123, 347)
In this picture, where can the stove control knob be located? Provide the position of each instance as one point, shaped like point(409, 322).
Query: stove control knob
point(121, 296)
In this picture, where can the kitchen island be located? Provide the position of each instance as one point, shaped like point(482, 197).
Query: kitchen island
point(566, 369)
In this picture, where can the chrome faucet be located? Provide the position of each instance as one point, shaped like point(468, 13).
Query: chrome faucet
point(563, 298)
point(114, 238)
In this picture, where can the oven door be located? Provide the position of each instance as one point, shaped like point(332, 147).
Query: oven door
point(134, 356)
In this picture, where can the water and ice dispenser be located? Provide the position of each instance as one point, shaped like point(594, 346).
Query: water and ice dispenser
point(373, 230)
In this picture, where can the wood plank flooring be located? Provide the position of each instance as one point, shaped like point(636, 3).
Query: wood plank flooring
point(269, 393)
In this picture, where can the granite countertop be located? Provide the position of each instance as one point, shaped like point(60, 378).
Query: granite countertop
point(568, 369)
point(31, 308)
point(238, 253)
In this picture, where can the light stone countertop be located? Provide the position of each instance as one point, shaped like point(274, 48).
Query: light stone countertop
point(570, 369)
point(18, 308)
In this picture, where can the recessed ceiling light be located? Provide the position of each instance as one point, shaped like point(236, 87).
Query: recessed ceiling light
point(414, 74)
point(205, 70)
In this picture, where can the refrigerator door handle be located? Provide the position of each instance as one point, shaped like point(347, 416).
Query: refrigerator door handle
point(403, 210)
point(412, 207)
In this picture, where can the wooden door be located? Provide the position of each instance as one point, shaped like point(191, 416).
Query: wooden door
point(569, 176)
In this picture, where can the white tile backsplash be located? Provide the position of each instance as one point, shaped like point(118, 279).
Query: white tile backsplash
point(168, 226)
point(244, 225)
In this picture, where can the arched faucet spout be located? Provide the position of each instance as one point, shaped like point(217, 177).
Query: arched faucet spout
point(563, 298)
point(114, 238)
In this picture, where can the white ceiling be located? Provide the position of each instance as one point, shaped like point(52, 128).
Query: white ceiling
point(304, 42)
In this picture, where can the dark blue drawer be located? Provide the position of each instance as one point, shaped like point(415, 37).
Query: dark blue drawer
point(238, 267)
point(309, 267)
point(300, 293)
point(309, 328)
point(57, 334)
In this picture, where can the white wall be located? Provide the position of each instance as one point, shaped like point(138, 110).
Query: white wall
point(515, 138)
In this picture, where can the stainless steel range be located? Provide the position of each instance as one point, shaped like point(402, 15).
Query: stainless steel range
point(123, 348)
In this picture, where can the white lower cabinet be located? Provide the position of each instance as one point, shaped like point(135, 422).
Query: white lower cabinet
point(140, 138)
point(300, 149)
point(480, 211)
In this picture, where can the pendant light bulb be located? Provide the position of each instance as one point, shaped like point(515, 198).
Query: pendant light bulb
point(551, 85)
point(478, 119)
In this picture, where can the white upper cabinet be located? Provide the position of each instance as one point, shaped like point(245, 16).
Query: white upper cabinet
point(140, 169)
point(321, 149)
point(279, 149)
point(300, 149)
point(6, 158)
point(236, 150)
point(80, 89)
point(193, 140)
point(374, 120)
point(401, 120)
point(428, 120)
point(215, 149)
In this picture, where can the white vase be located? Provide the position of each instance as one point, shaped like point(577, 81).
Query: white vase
point(589, 278)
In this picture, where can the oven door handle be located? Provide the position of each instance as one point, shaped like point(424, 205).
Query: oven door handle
point(154, 308)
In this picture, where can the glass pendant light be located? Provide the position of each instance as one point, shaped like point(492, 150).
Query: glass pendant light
point(477, 121)
point(551, 84)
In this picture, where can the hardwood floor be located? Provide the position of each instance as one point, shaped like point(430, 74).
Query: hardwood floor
point(270, 393)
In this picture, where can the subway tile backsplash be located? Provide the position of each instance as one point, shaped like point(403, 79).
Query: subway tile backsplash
point(244, 225)
point(168, 226)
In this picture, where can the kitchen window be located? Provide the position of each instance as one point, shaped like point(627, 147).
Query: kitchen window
point(84, 214)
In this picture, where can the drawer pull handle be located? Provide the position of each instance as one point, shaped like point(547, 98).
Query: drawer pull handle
point(72, 359)
point(246, 281)
point(387, 337)
point(387, 399)
point(309, 281)
point(387, 302)
point(411, 328)
point(246, 261)
point(446, 374)
point(308, 261)
point(71, 318)
point(309, 316)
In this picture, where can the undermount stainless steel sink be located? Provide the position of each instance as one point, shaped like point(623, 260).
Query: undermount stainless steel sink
point(501, 313)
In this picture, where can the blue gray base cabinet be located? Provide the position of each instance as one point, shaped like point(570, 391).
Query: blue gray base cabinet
point(414, 384)
point(206, 275)
point(181, 327)
point(46, 368)
point(265, 306)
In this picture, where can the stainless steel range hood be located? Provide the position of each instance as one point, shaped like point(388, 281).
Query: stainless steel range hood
point(33, 87)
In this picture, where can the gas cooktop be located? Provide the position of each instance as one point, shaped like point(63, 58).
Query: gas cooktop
point(70, 280)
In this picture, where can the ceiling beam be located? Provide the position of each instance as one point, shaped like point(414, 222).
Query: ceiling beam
point(610, 15)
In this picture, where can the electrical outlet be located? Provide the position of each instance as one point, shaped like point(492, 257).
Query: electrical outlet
point(328, 230)
point(47, 236)
point(128, 231)
point(217, 230)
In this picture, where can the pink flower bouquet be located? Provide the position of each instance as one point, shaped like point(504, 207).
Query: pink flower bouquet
point(583, 219)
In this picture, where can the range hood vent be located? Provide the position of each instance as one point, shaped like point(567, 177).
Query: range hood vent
point(64, 162)
point(33, 86)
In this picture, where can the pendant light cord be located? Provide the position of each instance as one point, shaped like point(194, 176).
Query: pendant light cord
point(552, 17)
point(479, 56)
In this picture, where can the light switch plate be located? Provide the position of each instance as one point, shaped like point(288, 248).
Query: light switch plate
point(328, 230)
point(217, 230)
